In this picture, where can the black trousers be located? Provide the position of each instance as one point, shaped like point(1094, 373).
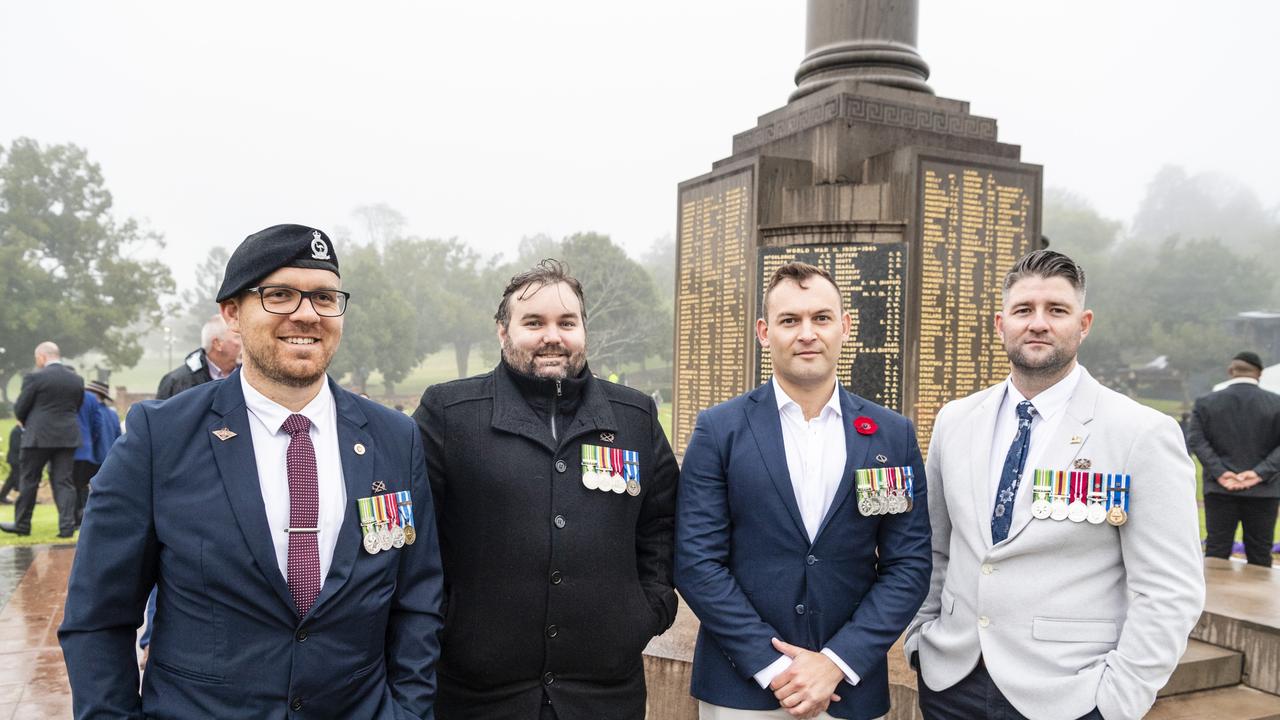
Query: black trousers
point(1222, 513)
point(81, 473)
point(60, 462)
point(11, 483)
point(974, 698)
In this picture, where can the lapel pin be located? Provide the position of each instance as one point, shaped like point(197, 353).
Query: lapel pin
point(1082, 463)
point(359, 448)
point(379, 486)
point(882, 459)
point(224, 434)
point(1076, 439)
point(606, 437)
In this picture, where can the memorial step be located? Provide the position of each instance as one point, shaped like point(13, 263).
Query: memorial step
point(1204, 667)
point(1233, 703)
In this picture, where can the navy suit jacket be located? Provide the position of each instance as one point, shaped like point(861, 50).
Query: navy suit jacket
point(745, 564)
point(174, 506)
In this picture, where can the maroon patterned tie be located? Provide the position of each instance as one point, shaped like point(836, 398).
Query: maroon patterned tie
point(304, 512)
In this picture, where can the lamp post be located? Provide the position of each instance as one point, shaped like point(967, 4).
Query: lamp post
point(168, 341)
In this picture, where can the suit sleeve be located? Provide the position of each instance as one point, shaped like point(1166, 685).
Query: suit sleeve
point(656, 529)
point(26, 399)
point(903, 567)
point(940, 540)
point(1160, 545)
point(431, 424)
point(413, 642)
point(703, 537)
point(114, 570)
point(1198, 442)
point(1269, 468)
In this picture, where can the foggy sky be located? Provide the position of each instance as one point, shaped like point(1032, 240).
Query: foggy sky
point(497, 119)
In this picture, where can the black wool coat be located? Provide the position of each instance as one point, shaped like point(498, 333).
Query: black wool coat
point(550, 587)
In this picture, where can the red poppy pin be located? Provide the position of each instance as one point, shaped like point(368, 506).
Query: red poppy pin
point(865, 425)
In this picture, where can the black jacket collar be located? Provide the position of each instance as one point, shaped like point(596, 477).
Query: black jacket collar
point(514, 411)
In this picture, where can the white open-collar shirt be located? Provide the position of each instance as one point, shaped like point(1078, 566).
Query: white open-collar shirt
point(1050, 405)
point(270, 447)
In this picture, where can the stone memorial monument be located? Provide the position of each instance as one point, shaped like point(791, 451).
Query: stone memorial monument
point(909, 199)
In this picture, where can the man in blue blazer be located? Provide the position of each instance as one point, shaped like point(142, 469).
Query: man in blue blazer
point(286, 522)
point(802, 538)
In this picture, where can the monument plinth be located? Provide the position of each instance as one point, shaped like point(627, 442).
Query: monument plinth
point(909, 199)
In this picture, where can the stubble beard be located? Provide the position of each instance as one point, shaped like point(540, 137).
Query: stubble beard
point(1052, 364)
point(525, 362)
point(271, 368)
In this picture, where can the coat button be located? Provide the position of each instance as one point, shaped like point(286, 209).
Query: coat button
point(559, 521)
point(556, 577)
point(560, 466)
point(301, 636)
point(800, 609)
point(296, 704)
point(810, 560)
point(552, 631)
point(548, 678)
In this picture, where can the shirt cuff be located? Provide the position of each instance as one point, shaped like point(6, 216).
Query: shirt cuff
point(772, 670)
point(850, 676)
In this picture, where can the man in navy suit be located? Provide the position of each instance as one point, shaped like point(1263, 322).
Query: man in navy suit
point(796, 545)
point(277, 514)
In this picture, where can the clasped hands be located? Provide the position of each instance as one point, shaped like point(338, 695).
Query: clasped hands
point(1239, 481)
point(807, 686)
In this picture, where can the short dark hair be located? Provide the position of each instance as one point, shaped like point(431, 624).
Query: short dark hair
point(1047, 264)
point(548, 272)
point(798, 272)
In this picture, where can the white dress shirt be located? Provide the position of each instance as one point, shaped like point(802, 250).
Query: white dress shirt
point(815, 460)
point(215, 372)
point(1050, 406)
point(270, 446)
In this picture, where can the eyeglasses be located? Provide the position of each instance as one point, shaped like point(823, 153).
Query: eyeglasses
point(284, 300)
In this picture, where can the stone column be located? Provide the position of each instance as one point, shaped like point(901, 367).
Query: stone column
point(865, 40)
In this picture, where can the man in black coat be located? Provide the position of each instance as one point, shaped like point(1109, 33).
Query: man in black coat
point(1236, 434)
point(555, 498)
point(47, 408)
point(216, 358)
point(12, 455)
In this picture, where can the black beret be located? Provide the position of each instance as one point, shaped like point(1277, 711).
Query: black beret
point(266, 251)
point(1249, 357)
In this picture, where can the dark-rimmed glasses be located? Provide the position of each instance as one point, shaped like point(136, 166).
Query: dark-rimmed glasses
point(284, 300)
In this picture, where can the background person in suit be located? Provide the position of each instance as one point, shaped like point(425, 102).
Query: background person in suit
point(215, 359)
point(1236, 434)
point(1038, 617)
point(238, 499)
point(12, 455)
point(47, 408)
point(800, 595)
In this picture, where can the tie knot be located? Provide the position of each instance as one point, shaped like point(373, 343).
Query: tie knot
point(1026, 410)
point(296, 423)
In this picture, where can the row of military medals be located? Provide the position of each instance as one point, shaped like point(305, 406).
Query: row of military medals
point(387, 521)
point(610, 469)
point(884, 491)
point(1080, 496)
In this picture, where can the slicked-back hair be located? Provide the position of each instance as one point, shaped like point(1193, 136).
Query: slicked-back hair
point(548, 272)
point(799, 272)
point(1047, 264)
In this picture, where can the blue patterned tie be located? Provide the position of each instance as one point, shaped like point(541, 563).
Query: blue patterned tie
point(1002, 514)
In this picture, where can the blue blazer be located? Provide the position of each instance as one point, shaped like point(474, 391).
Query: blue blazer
point(174, 506)
point(745, 564)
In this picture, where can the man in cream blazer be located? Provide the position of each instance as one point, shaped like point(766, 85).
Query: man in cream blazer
point(1049, 618)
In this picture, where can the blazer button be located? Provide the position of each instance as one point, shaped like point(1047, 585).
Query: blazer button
point(560, 466)
point(548, 678)
point(552, 631)
point(810, 560)
point(301, 636)
point(986, 568)
point(556, 577)
point(559, 521)
point(296, 704)
point(984, 621)
point(800, 609)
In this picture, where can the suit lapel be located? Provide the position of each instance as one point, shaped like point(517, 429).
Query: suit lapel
point(982, 426)
point(766, 427)
point(856, 448)
point(238, 467)
point(357, 476)
point(1068, 440)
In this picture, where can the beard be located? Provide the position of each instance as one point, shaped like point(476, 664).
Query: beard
point(526, 361)
point(297, 374)
point(1048, 365)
